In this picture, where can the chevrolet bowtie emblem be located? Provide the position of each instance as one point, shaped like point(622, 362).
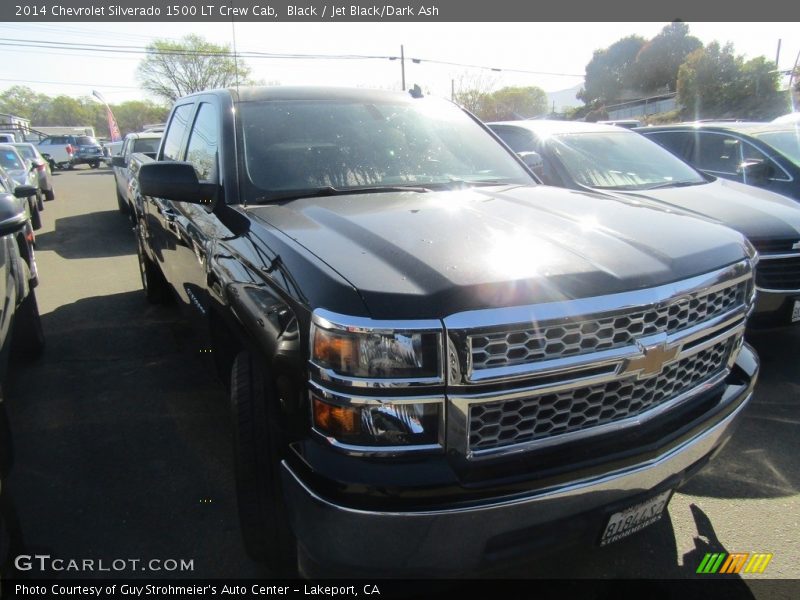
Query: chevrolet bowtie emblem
point(654, 358)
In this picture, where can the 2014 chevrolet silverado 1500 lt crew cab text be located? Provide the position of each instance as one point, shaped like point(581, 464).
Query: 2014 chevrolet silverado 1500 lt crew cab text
point(434, 362)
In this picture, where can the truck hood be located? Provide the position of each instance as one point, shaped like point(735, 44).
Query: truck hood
point(757, 213)
point(427, 255)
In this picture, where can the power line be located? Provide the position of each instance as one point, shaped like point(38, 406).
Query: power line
point(104, 85)
point(131, 49)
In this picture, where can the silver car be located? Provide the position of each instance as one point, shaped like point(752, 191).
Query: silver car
point(31, 153)
point(21, 172)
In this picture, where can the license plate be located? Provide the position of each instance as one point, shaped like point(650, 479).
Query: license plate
point(635, 518)
point(796, 311)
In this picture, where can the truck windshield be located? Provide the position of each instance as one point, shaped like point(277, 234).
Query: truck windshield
point(301, 145)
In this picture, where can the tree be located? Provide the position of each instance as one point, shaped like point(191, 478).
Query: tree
point(133, 115)
point(510, 103)
point(715, 83)
point(472, 92)
point(657, 63)
point(610, 71)
point(21, 101)
point(173, 69)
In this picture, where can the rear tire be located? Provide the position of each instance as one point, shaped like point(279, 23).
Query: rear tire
point(94, 165)
point(122, 204)
point(36, 218)
point(70, 166)
point(153, 282)
point(49, 195)
point(258, 451)
point(28, 332)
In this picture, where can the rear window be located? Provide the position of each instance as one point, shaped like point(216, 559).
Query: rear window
point(148, 145)
point(85, 140)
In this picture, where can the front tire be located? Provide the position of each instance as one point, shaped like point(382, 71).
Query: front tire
point(40, 200)
point(28, 332)
point(258, 451)
point(36, 217)
point(153, 283)
point(122, 204)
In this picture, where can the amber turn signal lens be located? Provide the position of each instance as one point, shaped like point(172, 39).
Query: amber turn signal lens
point(336, 420)
point(332, 349)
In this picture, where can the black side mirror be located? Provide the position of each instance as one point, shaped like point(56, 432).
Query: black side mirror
point(12, 215)
point(754, 171)
point(533, 160)
point(118, 161)
point(175, 181)
point(24, 191)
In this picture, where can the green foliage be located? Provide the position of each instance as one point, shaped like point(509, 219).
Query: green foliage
point(656, 66)
point(610, 71)
point(716, 83)
point(505, 104)
point(133, 115)
point(44, 110)
point(512, 103)
point(173, 69)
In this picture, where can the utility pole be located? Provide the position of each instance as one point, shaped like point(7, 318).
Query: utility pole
point(402, 67)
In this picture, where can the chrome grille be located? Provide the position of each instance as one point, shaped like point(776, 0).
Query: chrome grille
point(499, 424)
point(552, 341)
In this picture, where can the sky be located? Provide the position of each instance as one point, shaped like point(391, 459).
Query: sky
point(558, 48)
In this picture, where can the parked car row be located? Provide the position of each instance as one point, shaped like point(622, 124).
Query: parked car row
point(431, 358)
point(622, 164)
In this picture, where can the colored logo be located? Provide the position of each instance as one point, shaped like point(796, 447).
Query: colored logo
point(735, 562)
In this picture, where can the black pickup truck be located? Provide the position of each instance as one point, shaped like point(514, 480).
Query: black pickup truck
point(434, 362)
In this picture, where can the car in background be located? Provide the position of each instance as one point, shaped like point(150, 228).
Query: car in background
point(7, 138)
point(623, 164)
point(30, 152)
point(60, 150)
point(88, 151)
point(765, 155)
point(626, 123)
point(145, 142)
point(22, 173)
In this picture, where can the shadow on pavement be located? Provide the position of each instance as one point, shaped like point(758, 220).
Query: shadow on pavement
point(123, 443)
point(759, 461)
point(93, 235)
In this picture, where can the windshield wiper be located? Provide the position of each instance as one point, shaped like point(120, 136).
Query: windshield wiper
point(454, 183)
point(669, 184)
point(333, 191)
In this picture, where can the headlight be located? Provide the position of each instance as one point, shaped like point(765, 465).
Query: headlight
point(383, 361)
point(378, 423)
point(376, 352)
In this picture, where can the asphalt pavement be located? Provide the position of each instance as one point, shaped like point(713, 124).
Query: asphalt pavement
point(123, 445)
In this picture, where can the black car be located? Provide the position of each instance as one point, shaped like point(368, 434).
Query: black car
point(766, 155)
point(605, 158)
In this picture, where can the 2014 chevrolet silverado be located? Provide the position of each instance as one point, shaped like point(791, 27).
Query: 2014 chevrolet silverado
point(435, 362)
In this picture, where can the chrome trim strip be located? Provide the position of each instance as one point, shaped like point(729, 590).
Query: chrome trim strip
point(335, 321)
point(599, 305)
point(614, 426)
point(347, 399)
point(779, 256)
point(771, 291)
point(330, 376)
point(380, 451)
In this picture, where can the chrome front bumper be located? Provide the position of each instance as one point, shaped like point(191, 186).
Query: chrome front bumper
point(455, 540)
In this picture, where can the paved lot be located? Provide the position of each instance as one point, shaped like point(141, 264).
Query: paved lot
point(122, 440)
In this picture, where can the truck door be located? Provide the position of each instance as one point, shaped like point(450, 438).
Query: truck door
point(195, 227)
point(159, 213)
